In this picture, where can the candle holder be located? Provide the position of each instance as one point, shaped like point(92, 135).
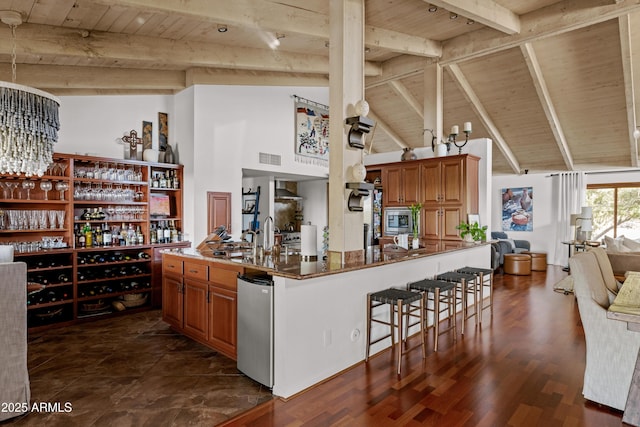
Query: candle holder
point(454, 134)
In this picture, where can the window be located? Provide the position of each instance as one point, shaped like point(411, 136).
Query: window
point(616, 210)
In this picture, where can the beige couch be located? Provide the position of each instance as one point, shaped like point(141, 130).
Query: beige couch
point(624, 254)
point(14, 376)
point(612, 349)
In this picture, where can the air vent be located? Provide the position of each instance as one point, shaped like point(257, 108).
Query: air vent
point(269, 159)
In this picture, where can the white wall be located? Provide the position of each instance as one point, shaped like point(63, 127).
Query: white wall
point(315, 205)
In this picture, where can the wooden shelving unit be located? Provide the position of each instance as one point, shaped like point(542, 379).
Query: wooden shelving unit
point(42, 216)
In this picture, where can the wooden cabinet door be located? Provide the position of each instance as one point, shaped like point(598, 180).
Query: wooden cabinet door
point(430, 227)
point(172, 301)
point(223, 320)
point(411, 184)
point(219, 210)
point(392, 181)
point(453, 181)
point(430, 178)
point(195, 309)
point(451, 217)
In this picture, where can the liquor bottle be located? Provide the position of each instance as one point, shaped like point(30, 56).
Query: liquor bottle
point(174, 232)
point(163, 181)
point(123, 235)
point(153, 234)
point(176, 181)
point(88, 235)
point(76, 236)
point(139, 236)
point(154, 181)
point(131, 235)
point(106, 235)
point(63, 278)
point(167, 233)
point(98, 236)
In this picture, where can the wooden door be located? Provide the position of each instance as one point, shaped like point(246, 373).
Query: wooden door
point(411, 184)
point(392, 181)
point(223, 320)
point(195, 309)
point(172, 301)
point(219, 210)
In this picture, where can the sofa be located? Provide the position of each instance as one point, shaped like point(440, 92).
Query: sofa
point(611, 349)
point(14, 376)
point(624, 255)
point(505, 245)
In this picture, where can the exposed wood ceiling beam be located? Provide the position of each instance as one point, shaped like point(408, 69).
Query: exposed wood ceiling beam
point(479, 109)
point(397, 68)
point(220, 76)
point(39, 41)
point(276, 17)
point(629, 84)
point(406, 96)
point(547, 105)
point(486, 12)
point(69, 77)
point(387, 129)
point(558, 18)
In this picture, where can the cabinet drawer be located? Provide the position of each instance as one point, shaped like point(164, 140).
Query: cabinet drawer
point(196, 271)
point(172, 265)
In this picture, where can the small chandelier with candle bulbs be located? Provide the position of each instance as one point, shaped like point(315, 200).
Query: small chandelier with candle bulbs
point(29, 121)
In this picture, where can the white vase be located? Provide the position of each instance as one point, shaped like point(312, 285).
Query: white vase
point(415, 243)
point(441, 150)
point(150, 155)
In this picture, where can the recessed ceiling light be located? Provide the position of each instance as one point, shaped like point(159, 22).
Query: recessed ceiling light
point(367, 49)
point(432, 8)
point(222, 28)
point(470, 22)
point(453, 15)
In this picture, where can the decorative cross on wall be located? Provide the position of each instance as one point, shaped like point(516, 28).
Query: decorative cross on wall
point(133, 142)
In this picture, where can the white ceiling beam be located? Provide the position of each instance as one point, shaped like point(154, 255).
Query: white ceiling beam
point(402, 91)
point(480, 110)
point(387, 129)
point(223, 76)
point(38, 41)
point(397, 68)
point(547, 105)
point(625, 27)
point(558, 18)
point(486, 12)
point(277, 17)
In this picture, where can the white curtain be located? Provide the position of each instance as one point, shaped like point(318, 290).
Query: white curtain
point(570, 189)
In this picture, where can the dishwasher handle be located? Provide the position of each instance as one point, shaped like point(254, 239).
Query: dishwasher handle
point(263, 280)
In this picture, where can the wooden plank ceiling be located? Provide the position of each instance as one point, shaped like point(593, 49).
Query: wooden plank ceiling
point(552, 82)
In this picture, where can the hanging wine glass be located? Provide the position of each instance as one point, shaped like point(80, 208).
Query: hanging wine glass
point(46, 186)
point(62, 187)
point(28, 185)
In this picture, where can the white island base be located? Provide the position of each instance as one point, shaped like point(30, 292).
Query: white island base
point(320, 322)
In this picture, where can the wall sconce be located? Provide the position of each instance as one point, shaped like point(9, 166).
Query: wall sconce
point(454, 133)
point(358, 191)
point(359, 126)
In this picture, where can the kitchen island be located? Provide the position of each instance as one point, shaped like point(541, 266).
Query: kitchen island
point(319, 309)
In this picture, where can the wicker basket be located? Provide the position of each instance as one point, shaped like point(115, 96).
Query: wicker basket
point(133, 300)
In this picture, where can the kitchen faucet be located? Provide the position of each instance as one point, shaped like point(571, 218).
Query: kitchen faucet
point(254, 242)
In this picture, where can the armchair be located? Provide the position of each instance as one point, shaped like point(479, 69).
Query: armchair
point(508, 246)
point(612, 349)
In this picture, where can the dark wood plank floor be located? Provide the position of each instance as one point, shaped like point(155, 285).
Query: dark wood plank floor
point(522, 367)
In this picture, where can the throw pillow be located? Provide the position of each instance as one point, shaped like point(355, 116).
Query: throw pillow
point(619, 242)
point(610, 243)
point(510, 241)
point(631, 244)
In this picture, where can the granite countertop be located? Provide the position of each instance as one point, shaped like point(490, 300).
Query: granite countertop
point(296, 268)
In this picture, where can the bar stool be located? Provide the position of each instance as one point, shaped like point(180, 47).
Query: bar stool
point(466, 284)
point(439, 292)
point(402, 302)
point(485, 279)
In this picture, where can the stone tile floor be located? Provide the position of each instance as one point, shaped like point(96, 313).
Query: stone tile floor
point(133, 371)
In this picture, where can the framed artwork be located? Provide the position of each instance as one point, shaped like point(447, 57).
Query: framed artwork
point(517, 209)
point(312, 132)
point(147, 135)
point(163, 135)
point(249, 206)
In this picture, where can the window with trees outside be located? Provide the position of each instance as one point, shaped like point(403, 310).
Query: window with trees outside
point(616, 210)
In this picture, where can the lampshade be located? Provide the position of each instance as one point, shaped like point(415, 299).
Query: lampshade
point(585, 225)
point(586, 212)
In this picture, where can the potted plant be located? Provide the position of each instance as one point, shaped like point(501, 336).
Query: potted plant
point(472, 232)
point(415, 218)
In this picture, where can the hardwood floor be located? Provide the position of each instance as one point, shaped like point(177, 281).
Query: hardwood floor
point(522, 367)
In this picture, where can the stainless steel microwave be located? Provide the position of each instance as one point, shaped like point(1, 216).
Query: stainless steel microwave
point(397, 221)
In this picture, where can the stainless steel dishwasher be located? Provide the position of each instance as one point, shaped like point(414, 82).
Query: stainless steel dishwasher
point(255, 328)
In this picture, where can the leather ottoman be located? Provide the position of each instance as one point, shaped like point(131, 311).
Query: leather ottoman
point(518, 264)
point(538, 260)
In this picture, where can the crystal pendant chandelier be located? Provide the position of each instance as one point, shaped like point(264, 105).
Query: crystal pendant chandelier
point(28, 119)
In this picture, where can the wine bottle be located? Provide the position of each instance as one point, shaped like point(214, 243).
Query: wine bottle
point(167, 233)
point(106, 235)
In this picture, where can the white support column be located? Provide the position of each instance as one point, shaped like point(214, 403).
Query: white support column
point(346, 87)
point(433, 115)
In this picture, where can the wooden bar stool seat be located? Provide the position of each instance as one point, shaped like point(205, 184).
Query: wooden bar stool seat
point(439, 293)
point(466, 284)
point(485, 280)
point(401, 303)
